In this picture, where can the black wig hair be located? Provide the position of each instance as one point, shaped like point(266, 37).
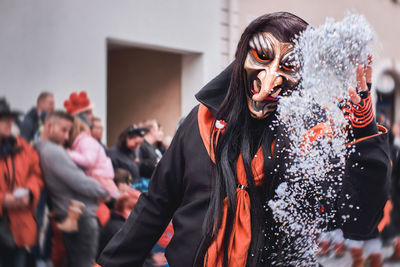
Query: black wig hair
point(245, 135)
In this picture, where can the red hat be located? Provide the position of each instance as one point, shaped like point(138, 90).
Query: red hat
point(77, 103)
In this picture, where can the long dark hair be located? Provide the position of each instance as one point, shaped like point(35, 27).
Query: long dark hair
point(244, 135)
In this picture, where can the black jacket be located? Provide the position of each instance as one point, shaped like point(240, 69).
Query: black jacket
point(180, 189)
point(124, 159)
point(30, 125)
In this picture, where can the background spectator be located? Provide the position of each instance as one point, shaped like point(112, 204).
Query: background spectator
point(66, 181)
point(123, 180)
point(124, 154)
point(31, 126)
point(97, 131)
point(150, 155)
point(88, 154)
point(20, 186)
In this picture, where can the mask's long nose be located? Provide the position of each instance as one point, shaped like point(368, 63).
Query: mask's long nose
point(268, 80)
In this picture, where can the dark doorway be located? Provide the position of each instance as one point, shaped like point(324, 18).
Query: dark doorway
point(142, 84)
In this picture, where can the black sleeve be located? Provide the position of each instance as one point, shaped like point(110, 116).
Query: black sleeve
point(152, 213)
point(365, 188)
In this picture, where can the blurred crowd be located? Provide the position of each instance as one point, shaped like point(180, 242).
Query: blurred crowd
point(371, 252)
point(64, 193)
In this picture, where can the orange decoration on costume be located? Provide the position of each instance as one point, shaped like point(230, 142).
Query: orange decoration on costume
point(319, 130)
point(241, 233)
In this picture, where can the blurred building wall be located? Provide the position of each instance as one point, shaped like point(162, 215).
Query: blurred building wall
point(61, 46)
point(383, 15)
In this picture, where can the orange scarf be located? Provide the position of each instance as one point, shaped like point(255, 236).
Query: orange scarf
point(241, 233)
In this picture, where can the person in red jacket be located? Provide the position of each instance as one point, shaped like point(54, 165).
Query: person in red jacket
point(20, 185)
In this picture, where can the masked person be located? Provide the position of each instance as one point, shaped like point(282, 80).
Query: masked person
point(220, 167)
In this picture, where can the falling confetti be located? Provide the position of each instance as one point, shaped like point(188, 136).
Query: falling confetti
point(328, 56)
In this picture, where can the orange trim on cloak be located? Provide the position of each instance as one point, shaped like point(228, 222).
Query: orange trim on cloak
point(381, 129)
point(241, 233)
point(206, 122)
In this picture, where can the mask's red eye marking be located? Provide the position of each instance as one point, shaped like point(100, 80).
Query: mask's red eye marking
point(261, 59)
point(290, 67)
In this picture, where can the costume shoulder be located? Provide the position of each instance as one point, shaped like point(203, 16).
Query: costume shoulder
point(188, 123)
point(213, 93)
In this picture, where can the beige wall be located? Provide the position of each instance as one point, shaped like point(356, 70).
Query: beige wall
point(61, 46)
point(142, 84)
point(383, 15)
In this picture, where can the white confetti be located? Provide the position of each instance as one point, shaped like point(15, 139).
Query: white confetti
point(328, 56)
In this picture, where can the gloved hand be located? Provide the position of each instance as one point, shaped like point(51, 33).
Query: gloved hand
point(358, 110)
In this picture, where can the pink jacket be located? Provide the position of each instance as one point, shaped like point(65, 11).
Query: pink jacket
point(90, 155)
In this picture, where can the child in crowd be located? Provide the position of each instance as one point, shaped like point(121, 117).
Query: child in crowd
point(123, 180)
point(88, 154)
